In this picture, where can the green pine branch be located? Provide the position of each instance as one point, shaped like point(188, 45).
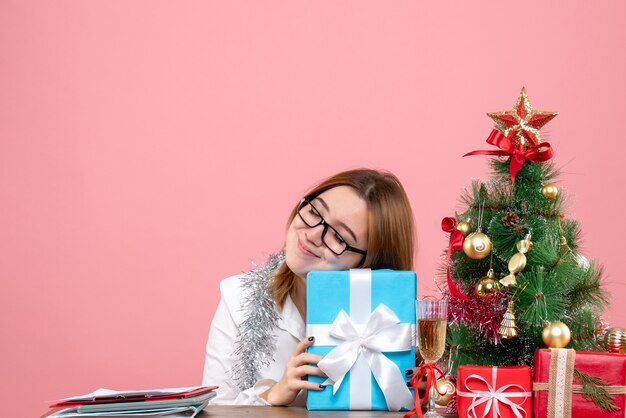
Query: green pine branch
point(542, 298)
point(587, 288)
point(545, 252)
point(594, 389)
point(572, 232)
point(585, 336)
point(530, 172)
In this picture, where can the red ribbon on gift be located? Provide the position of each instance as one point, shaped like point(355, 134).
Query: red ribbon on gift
point(456, 244)
point(540, 152)
point(426, 371)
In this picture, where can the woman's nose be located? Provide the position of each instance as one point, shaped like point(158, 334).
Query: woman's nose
point(315, 234)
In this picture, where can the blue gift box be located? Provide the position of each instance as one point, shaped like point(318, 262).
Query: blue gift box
point(342, 302)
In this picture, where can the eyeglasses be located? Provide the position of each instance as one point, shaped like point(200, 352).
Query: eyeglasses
point(333, 241)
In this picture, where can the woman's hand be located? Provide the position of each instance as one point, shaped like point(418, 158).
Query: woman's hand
point(295, 376)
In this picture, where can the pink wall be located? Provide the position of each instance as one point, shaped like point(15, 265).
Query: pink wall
point(149, 149)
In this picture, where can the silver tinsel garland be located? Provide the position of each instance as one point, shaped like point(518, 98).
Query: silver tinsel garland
point(256, 344)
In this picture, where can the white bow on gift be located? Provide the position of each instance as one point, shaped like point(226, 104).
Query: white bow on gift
point(383, 332)
point(493, 397)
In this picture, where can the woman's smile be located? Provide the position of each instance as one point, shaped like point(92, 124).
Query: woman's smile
point(304, 250)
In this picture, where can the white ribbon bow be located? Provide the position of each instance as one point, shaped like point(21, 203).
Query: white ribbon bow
point(493, 397)
point(383, 332)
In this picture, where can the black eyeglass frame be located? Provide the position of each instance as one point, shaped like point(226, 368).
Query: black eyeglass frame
point(307, 201)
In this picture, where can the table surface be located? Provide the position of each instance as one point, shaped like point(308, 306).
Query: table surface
point(282, 412)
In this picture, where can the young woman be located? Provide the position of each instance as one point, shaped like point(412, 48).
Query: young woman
point(256, 352)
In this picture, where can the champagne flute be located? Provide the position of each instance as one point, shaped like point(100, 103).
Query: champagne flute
point(432, 316)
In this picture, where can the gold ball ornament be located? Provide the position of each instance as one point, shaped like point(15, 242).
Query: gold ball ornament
point(556, 335)
point(477, 245)
point(450, 392)
point(464, 228)
point(487, 286)
point(550, 191)
point(615, 340)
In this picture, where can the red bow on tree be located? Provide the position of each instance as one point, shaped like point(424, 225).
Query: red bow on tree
point(456, 244)
point(539, 152)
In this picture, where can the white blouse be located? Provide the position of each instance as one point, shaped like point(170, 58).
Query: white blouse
point(219, 360)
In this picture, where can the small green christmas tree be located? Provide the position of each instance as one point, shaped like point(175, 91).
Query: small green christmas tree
point(513, 269)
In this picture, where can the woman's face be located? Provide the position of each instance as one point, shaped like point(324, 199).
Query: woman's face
point(343, 210)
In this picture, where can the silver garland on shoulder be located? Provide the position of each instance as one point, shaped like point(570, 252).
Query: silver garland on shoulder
point(256, 344)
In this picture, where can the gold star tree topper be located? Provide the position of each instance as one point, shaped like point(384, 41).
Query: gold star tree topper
point(522, 123)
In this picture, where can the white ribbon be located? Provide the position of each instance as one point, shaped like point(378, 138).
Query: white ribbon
point(383, 332)
point(493, 397)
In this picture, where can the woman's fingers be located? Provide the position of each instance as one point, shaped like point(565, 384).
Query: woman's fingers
point(300, 356)
point(312, 385)
point(303, 345)
point(300, 365)
point(305, 370)
point(410, 372)
point(307, 358)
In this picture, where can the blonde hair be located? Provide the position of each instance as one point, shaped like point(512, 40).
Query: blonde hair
point(390, 226)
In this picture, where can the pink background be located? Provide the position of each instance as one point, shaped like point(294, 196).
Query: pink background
point(149, 149)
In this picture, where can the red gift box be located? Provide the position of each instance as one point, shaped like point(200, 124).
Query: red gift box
point(561, 395)
point(494, 392)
